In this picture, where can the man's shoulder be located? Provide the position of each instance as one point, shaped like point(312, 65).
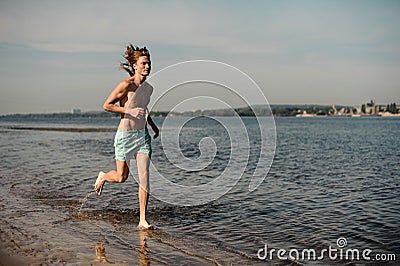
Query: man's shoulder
point(124, 85)
point(126, 82)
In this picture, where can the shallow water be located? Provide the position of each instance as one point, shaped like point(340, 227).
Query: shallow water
point(331, 178)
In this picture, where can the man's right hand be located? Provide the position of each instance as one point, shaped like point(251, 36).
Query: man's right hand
point(136, 112)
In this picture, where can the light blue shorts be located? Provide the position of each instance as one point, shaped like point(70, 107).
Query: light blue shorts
point(128, 143)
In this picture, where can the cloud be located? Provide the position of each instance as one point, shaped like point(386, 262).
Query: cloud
point(91, 26)
point(273, 31)
point(103, 26)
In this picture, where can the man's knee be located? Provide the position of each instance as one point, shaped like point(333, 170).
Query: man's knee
point(122, 176)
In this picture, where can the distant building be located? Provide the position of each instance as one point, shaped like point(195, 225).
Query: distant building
point(370, 108)
point(76, 111)
point(333, 110)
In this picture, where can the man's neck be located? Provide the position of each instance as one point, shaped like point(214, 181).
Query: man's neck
point(139, 79)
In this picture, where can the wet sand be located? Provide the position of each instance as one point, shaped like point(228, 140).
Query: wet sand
point(6, 260)
point(47, 228)
point(65, 129)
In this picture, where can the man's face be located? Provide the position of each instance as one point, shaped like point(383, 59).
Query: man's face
point(143, 66)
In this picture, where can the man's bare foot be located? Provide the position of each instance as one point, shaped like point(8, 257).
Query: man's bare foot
point(145, 225)
point(98, 186)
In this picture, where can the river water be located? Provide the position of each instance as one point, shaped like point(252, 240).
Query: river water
point(331, 178)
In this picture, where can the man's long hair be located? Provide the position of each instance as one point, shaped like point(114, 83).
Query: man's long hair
point(131, 56)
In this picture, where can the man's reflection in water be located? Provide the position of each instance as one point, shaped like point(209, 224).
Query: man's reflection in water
point(144, 258)
point(101, 253)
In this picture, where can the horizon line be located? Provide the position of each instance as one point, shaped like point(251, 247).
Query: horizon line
point(79, 110)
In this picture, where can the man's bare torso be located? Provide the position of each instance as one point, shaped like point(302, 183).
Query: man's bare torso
point(135, 97)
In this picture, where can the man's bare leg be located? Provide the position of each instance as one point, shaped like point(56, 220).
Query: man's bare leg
point(143, 161)
point(113, 176)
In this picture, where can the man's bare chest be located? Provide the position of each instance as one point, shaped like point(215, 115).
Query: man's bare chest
point(139, 97)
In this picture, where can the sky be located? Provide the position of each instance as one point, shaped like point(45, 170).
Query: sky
point(59, 55)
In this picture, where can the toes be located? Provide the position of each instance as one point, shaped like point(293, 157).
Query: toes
point(98, 189)
point(98, 185)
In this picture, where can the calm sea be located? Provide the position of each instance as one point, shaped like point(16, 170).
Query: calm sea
point(331, 178)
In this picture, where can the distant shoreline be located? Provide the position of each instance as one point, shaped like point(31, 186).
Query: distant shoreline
point(66, 129)
point(284, 110)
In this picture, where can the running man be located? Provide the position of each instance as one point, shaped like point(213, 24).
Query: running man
point(132, 138)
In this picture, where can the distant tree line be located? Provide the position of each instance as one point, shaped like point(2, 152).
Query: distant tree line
point(392, 108)
point(260, 110)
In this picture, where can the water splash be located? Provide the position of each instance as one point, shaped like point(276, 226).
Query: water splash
point(84, 200)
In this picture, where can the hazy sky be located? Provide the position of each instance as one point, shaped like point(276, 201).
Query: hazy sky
point(59, 55)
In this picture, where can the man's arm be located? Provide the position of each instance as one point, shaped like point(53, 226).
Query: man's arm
point(119, 92)
point(115, 96)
